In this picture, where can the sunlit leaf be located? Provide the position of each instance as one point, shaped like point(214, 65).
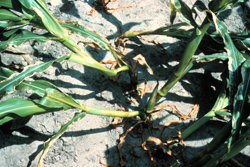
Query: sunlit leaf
point(172, 31)
point(7, 15)
point(19, 36)
point(98, 39)
point(40, 8)
point(8, 85)
point(16, 107)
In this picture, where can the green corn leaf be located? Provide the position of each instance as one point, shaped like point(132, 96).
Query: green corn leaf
point(12, 4)
point(9, 84)
point(7, 24)
point(172, 11)
point(242, 42)
point(40, 8)
point(16, 107)
point(7, 15)
point(98, 39)
point(5, 73)
point(241, 98)
point(54, 98)
point(19, 36)
point(39, 86)
point(220, 5)
point(52, 140)
point(76, 28)
point(207, 58)
point(224, 155)
point(234, 56)
point(184, 12)
point(90, 62)
point(172, 31)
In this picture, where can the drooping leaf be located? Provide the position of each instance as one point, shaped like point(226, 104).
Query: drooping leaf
point(217, 6)
point(234, 56)
point(172, 31)
point(184, 12)
point(90, 62)
point(9, 84)
point(240, 101)
point(7, 24)
point(98, 39)
point(16, 107)
point(40, 8)
point(76, 28)
point(38, 86)
point(19, 36)
point(52, 140)
point(54, 98)
point(7, 15)
point(207, 58)
point(11, 4)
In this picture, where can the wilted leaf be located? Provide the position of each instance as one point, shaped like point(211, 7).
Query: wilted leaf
point(234, 56)
point(8, 85)
point(19, 36)
point(17, 107)
point(240, 101)
point(98, 39)
point(7, 15)
point(207, 58)
point(172, 31)
point(185, 12)
point(142, 61)
point(220, 5)
point(40, 8)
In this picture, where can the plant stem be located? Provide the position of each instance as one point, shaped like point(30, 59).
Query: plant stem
point(186, 58)
point(197, 124)
point(220, 104)
point(224, 155)
point(203, 157)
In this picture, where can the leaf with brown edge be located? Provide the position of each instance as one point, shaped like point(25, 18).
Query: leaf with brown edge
point(235, 58)
point(52, 140)
point(7, 86)
point(140, 59)
point(98, 39)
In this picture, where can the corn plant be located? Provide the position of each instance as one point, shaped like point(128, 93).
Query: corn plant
point(233, 101)
point(15, 15)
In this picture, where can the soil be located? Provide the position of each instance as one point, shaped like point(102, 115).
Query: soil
point(93, 139)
